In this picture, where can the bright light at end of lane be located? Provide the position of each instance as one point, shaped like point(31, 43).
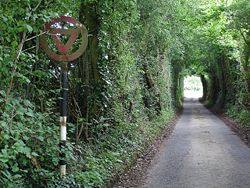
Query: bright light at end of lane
point(193, 87)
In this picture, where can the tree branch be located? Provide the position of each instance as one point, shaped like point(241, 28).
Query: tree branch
point(242, 34)
point(19, 51)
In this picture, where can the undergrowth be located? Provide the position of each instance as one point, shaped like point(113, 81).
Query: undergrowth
point(239, 114)
point(112, 154)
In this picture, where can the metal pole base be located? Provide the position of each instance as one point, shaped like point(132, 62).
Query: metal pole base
point(63, 121)
point(63, 170)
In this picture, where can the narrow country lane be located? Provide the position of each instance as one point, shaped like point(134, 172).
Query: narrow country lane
point(202, 152)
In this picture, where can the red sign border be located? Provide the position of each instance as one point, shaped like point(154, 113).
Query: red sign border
point(64, 57)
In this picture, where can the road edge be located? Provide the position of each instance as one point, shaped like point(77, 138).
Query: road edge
point(240, 130)
point(135, 173)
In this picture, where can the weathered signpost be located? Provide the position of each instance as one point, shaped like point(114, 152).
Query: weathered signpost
point(75, 34)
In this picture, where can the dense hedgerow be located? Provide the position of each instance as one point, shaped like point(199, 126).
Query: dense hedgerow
point(123, 90)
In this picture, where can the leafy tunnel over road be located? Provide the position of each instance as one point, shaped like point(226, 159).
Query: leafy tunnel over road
point(123, 90)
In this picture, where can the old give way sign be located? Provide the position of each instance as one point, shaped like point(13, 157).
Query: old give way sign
point(65, 39)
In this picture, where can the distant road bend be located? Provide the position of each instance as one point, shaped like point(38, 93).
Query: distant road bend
point(202, 152)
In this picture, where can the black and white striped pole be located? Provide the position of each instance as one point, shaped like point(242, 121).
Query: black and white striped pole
point(69, 51)
point(63, 120)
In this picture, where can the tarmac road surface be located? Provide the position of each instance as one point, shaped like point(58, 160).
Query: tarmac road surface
point(202, 152)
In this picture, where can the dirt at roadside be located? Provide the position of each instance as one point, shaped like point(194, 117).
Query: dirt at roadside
point(240, 130)
point(135, 174)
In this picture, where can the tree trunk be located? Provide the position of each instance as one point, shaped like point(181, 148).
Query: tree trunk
point(204, 86)
point(88, 67)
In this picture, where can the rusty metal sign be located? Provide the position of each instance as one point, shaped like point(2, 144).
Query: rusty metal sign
point(76, 42)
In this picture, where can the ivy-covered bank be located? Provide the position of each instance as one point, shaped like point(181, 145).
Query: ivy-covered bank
point(123, 90)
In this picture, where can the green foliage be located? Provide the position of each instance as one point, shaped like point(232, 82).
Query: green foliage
point(28, 122)
point(28, 144)
point(122, 91)
point(116, 151)
point(128, 94)
point(243, 116)
point(219, 51)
